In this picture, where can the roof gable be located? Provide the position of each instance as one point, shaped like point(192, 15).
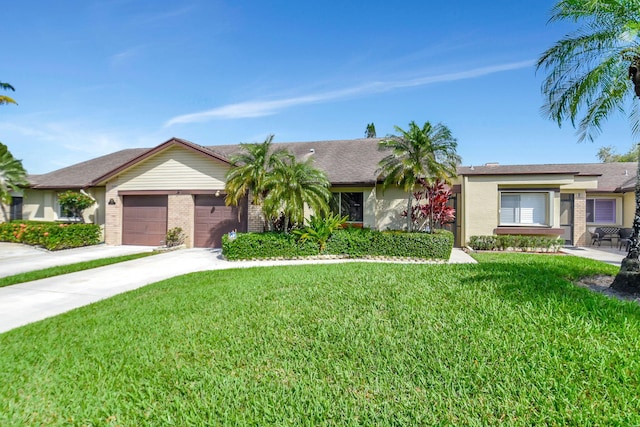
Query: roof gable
point(173, 142)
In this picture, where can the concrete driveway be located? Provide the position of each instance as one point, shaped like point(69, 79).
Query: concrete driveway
point(29, 302)
point(16, 258)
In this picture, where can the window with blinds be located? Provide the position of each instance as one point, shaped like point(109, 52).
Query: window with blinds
point(601, 211)
point(524, 208)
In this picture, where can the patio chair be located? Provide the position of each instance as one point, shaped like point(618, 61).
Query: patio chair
point(624, 238)
point(599, 236)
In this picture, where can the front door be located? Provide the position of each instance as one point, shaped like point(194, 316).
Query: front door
point(566, 218)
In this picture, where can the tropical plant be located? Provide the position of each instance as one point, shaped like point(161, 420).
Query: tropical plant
point(427, 153)
point(319, 229)
point(249, 169)
point(5, 99)
point(430, 206)
point(75, 203)
point(12, 175)
point(370, 131)
point(594, 72)
point(292, 184)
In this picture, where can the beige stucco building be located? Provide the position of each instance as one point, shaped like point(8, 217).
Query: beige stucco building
point(141, 193)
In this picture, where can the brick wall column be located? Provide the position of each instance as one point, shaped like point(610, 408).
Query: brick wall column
point(255, 218)
point(181, 210)
point(580, 235)
point(112, 214)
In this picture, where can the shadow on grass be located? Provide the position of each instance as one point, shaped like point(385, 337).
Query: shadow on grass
point(540, 279)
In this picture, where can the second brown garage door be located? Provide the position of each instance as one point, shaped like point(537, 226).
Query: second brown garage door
point(144, 220)
point(213, 219)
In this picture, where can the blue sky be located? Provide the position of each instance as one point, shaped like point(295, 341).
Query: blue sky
point(93, 77)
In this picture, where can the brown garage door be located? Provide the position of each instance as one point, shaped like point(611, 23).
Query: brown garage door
point(213, 219)
point(144, 220)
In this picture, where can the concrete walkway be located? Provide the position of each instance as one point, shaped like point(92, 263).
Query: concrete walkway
point(29, 302)
point(600, 253)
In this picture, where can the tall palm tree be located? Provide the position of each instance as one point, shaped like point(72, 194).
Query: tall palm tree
point(249, 169)
point(12, 175)
point(427, 153)
point(291, 185)
point(595, 72)
point(5, 99)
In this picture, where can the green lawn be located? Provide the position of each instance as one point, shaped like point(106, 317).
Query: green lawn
point(509, 341)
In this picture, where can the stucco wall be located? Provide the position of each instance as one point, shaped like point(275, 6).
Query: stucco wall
point(389, 205)
point(42, 205)
point(480, 207)
point(629, 209)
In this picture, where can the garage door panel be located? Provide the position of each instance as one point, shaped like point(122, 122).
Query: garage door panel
point(213, 220)
point(144, 220)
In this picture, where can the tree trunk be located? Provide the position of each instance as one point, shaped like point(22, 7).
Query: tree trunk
point(628, 278)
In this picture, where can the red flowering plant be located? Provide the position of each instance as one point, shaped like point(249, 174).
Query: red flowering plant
point(430, 208)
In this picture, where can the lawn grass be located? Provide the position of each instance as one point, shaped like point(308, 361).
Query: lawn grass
point(66, 269)
point(509, 341)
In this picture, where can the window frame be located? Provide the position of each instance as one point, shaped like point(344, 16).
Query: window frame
point(338, 201)
point(594, 201)
point(548, 208)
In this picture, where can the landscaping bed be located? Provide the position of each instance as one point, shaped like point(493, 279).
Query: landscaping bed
point(347, 243)
point(49, 235)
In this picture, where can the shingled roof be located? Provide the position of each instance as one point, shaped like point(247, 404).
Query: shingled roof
point(81, 175)
point(346, 162)
point(612, 177)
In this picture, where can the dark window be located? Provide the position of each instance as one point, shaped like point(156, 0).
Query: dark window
point(351, 205)
point(16, 208)
point(601, 211)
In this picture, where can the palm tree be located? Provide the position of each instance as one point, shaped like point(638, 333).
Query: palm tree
point(291, 185)
point(12, 176)
point(5, 99)
point(427, 153)
point(595, 72)
point(249, 169)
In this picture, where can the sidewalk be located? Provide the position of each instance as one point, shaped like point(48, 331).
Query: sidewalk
point(599, 253)
point(29, 302)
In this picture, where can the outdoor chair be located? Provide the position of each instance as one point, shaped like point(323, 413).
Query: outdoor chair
point(624, 238)
point(599, 236)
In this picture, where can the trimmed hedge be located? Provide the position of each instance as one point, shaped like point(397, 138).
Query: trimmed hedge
point(354, 243)
point(51, 236)
point(514, 242)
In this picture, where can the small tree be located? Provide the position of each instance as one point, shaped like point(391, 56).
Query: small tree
point(429, 207)
point(370, 131)
point(75, 203)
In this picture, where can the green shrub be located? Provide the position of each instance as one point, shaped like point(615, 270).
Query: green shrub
point(51, 236)
point(74, 203)
point(524, 243)
point(174, 237)
point(483, 243)
point(351, 242)
point(266, 245)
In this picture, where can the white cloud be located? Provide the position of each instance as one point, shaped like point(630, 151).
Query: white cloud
point(258, 108)
point(124, 56)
